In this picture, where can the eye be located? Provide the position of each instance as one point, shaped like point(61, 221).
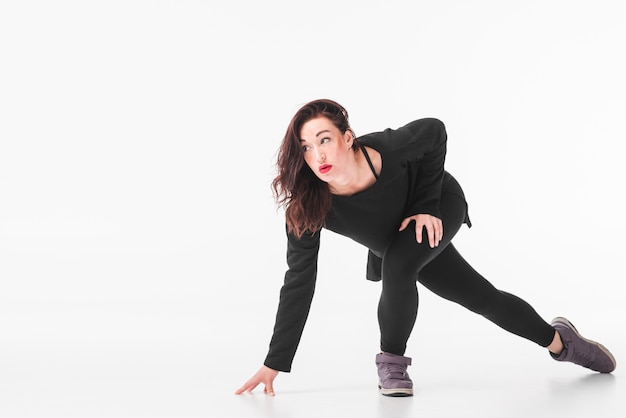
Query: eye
point(325, 140)
point(305, 148)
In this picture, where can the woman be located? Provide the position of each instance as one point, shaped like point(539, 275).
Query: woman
point(388, 191)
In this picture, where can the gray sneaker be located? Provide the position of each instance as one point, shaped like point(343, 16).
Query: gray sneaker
point(392, 375)
point(582, 351)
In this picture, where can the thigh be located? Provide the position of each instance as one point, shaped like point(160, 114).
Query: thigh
point(405, 257)
point(450, 276)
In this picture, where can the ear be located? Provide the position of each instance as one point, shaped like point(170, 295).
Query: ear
point(349, 138)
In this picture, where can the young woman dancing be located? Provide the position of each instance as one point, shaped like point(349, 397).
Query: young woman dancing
point(388, 191)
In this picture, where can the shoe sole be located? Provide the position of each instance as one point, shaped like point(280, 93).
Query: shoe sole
point(602, 348)
point(395, 393)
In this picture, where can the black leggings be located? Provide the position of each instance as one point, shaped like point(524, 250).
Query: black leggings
point(444, 271)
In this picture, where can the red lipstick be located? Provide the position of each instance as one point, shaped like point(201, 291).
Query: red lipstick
point(325, 168)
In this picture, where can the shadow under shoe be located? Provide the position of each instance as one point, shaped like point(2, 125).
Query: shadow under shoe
point(580, 350)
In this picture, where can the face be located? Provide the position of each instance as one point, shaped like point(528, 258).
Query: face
point(327, 151)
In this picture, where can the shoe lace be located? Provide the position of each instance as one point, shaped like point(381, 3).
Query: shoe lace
point(582, 357)
point(394, 371)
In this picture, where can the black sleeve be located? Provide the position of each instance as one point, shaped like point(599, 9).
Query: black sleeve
point(296, 295)
point(425, 142)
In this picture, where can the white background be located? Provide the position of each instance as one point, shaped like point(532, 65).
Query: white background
point(141, 252)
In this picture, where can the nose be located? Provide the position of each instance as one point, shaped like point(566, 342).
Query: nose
point(321, 157)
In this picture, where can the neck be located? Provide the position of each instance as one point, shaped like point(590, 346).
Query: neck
point(358, 177)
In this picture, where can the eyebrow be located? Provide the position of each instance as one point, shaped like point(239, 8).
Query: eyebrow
point(318, 134)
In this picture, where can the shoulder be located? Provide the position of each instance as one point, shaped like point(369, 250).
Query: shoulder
point(309, 239)
point(424, 126)
point(424, 133)
point(421, 130)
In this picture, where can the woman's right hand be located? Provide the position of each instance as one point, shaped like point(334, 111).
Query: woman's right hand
point(266, 376)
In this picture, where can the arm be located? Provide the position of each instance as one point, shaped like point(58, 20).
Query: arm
point(425, 141)
point(296, 296)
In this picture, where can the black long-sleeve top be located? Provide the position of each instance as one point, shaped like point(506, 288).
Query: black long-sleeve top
point(410, 183)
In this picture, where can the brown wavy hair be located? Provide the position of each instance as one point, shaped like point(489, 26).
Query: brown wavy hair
point(306, 199)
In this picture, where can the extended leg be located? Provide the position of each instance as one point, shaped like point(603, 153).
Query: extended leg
point(452, 278)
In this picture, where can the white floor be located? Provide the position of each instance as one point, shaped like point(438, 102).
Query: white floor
point(167, 363)
point(478, 394)
point(183, 384)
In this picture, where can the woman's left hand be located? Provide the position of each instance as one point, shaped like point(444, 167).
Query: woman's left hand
point(433, 225)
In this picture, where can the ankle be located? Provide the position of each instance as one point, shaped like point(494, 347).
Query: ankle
point(556, 346)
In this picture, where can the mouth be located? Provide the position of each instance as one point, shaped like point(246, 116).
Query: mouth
point(325, 168)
